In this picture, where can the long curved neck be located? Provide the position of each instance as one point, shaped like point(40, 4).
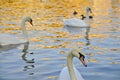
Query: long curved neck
point(70, 66)
point(25, 34)
point(87, 18)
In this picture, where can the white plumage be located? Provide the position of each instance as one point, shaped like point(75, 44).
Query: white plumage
point(64, 75)
point(70, 72)
point(8, 40)
point(76, 22)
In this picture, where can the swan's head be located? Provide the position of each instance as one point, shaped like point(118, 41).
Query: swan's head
point(88, 9)
point(29, 19)
point(80, 55)
point(83, 17)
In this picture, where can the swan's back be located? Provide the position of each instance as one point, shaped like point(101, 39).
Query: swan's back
point(75, 22)
point(6, 39)
point(64, 75)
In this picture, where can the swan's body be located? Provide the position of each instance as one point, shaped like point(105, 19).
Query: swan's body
point(76, 22)
point(7, 39)
point(70, 72)
point(64, 75)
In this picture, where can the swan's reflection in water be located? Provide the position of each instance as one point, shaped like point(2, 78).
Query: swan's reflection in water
point(26, 45)
point(27, 67)
point(8, 47)
point(30, 63)
point(87, 36)
point(79, 30)
point(73, 30)
point(14, 46)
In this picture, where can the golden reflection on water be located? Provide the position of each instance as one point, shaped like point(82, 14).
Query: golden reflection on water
point(114, 62)
point(49, 77)
point(15, 10)
point(93, 60)
point(46, 16)
point(100, 7)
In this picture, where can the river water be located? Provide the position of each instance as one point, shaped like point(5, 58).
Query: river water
point(50, 40)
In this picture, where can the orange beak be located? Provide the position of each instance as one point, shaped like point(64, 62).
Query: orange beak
point(90, 10)
point(31, 23)
point(83, 61)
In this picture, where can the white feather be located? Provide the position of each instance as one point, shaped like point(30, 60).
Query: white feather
point(64, 74)
point(76, 22)
point(70, 72)
point(7, 40)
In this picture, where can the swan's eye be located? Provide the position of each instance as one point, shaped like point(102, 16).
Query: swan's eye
point(81, 56)
point(30, 20)
point(89, 9)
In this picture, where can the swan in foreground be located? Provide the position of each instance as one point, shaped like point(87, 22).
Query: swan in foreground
point(11, 40)
point(76, 22)
point(70, 72)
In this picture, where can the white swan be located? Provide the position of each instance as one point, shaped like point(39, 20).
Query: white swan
point(76, 22)
point(70, 72)
point(10, 40)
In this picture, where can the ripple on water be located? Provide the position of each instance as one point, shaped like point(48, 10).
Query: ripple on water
point(49, 41)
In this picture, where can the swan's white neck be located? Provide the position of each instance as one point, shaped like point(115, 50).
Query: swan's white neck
point(24, 29)
point(70, 66)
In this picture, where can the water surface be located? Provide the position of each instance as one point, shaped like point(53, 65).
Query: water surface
point(49, 40)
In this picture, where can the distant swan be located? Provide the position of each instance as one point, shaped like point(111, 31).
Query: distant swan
point(10, 40)
point(76, 22)
point(83, 17)
point(75, 13)
point(70, 72)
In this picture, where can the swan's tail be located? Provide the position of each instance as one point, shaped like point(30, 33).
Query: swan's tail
point(62, 18)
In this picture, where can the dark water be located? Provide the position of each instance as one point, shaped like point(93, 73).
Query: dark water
point(44, 59)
